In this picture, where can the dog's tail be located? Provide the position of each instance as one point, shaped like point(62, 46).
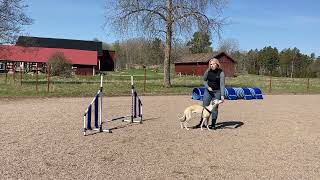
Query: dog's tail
point(183, 118)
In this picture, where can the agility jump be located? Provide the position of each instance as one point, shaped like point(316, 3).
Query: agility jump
point(96, 107)
point(136, 108)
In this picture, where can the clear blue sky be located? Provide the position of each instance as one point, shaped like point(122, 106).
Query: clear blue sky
point(254, 23)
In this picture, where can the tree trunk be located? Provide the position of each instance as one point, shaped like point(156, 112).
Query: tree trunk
point(291, 69)
point(167, 51)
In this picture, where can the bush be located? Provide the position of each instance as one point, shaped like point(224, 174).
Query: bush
point(60, 65)
point(314, 68)
point(252, 71)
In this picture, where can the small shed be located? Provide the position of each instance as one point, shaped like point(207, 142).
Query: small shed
point(197, 64)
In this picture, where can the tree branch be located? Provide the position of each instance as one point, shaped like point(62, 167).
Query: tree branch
point(144, 10)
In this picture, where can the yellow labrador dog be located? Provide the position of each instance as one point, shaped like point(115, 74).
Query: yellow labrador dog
point(204, 111)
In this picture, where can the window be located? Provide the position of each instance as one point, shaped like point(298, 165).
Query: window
point(1, 66)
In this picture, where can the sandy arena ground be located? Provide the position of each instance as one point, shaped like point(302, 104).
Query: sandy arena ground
point(276, 138)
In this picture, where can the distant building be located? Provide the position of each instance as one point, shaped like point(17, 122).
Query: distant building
point(197, 64)
point(87, 57)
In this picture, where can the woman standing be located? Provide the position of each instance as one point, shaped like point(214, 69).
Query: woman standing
point(214, 88)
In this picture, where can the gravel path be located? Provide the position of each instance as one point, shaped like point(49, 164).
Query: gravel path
point(276, 138)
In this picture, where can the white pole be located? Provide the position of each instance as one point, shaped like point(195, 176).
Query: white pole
point(99, 64)
point(103, 130)
point(131, 80)
point(141, 110)
point(100, 107)
point(141, 114)
point(101, 81)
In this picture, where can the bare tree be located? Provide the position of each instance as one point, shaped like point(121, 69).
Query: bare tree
point(12, 18)
point(229, 46)
point(170, 18)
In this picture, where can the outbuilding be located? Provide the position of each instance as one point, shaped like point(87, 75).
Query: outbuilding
point(86, 57)
point(197, 64)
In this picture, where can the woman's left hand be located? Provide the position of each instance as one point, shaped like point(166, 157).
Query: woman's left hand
point(222, 99)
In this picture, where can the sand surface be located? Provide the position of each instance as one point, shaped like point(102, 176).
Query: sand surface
point(274, 138)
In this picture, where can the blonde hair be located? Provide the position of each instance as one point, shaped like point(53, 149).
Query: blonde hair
point(216, 61)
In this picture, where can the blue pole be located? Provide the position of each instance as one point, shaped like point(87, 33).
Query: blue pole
point(89, 118)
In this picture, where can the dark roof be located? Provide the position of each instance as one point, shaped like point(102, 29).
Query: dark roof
point(28, 41)
point(201, 57)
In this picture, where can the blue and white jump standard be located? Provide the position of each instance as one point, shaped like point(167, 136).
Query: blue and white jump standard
point(136, 108)
point(96, 105)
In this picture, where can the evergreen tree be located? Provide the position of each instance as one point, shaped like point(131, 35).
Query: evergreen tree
point(253, 62)
point(269, 59)
point(200, 43)
point(285, 58)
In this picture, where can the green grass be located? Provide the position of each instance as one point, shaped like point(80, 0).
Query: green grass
point(279, 85)
point(118, 84)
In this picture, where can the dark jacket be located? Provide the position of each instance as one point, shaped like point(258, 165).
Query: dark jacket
point(214, 79)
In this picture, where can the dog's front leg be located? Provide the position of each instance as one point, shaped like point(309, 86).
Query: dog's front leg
point(208, 123)
point(203, 120)
point(185, 125)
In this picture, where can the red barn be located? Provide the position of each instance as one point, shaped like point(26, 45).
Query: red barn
point(84, 62)
point(86, 57)
point(197, 64)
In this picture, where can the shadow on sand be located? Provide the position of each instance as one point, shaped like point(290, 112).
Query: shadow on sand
point(229, 125)
point(127, 124)
point(224, 125)
point(131, 124)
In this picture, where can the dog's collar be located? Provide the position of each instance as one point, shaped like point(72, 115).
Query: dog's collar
point(207, 109)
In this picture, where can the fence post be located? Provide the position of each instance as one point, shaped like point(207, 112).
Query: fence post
point(270, 85)
point(20, 77)
point(308, 85)
point(14, 73)
point(48, 78)
point(37, 77)
point(145, 79)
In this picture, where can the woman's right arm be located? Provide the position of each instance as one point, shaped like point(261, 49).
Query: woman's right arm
point(205, 79)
